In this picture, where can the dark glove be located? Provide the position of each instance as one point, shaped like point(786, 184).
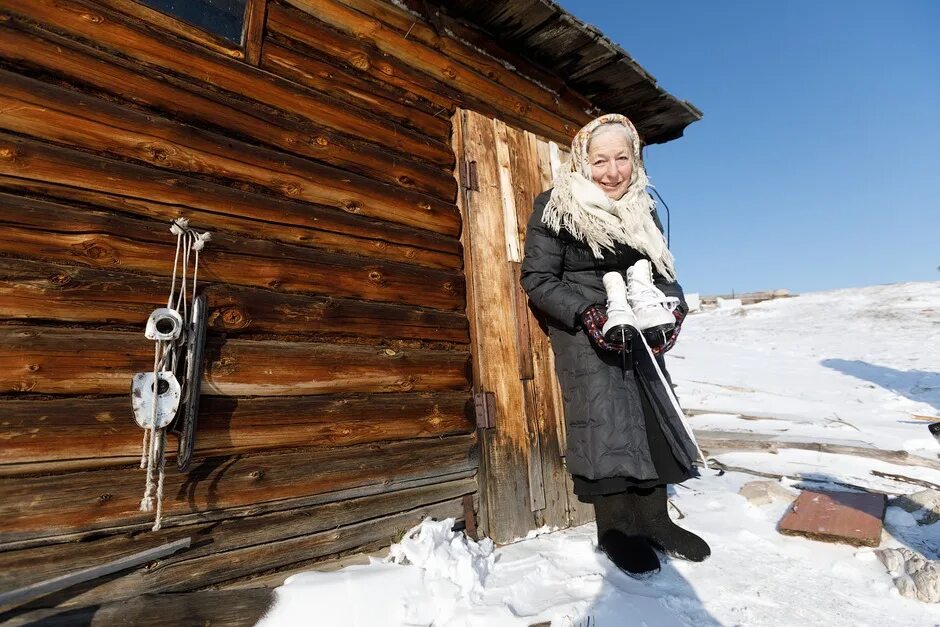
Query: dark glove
point(679, 314)
point(594, 318)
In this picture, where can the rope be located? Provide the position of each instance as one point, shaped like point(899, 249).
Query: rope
point(153, 448)
point(177, 228)
point(161, 476)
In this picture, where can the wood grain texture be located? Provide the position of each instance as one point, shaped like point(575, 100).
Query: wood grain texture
point(233, 608)
point(474, 87)
point(321, 228)
point(49, 505)
point(53, 292)
point(195, 103)
point(303, 66)
point(253, 36)
point(535, 96)
point(505, 449)
point(47, 231)
point(230, 539)
point(99, 432)
point(290, 26)
point(69, 361)
point(543, 408)
point(459, 141)
point(160, 21)
point(114, 32)
point(66, 117)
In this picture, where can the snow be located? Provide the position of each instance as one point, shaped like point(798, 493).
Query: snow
point(850, 367)
point(848, 364)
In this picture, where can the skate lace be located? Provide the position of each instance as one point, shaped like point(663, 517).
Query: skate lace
point(645, 295)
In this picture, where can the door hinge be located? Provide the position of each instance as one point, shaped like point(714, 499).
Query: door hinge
point(485, 405)
point(468, 175)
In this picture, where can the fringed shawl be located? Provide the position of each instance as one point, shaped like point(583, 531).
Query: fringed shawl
point(579, 206)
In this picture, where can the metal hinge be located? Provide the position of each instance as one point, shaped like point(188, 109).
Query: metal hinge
point(468, 175)
point(485, 405)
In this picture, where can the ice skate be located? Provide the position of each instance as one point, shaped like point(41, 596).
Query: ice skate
point(652, 308)
point(622, 323)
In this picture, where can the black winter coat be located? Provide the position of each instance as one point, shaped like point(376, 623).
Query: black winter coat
point(603, 414)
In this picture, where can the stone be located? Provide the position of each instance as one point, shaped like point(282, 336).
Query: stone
point(765, 492)
point(915, 576)
point(924, 505)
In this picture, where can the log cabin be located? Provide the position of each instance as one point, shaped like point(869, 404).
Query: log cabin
point(366, 168)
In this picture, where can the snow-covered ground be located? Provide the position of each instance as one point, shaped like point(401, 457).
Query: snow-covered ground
point(849, 367)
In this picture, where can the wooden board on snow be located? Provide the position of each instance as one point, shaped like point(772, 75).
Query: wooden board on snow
point(848, 517)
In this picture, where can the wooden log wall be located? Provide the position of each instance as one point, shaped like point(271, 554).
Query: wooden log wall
point(337, 407)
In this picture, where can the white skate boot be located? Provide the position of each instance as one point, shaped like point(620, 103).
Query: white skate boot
point(621, 324)
point(652, 308)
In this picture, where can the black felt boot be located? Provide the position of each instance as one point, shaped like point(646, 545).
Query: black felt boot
point(665, 535)
point(617, 537)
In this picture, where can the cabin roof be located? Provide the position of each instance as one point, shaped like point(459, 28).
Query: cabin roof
point(591, 64)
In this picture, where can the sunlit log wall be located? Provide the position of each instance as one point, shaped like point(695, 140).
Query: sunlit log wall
point(337, 405)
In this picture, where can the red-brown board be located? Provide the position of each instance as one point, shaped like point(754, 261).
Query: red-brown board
point(848, 517)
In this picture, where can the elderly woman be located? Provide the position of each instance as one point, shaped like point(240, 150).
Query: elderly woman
point(626, 439)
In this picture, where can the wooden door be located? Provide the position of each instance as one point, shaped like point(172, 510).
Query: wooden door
point(522, 479)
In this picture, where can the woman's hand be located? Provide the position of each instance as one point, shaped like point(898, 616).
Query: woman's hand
point(594, 318)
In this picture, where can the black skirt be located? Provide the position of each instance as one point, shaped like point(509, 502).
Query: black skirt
point(668, 468)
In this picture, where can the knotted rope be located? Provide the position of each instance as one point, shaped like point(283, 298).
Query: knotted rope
point(153, 448)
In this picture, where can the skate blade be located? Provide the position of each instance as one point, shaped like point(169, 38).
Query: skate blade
point(656, 336)
point(617, 334)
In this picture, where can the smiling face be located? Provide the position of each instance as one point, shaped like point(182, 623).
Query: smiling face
point(610, 156)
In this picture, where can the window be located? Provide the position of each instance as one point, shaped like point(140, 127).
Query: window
point(224, 18)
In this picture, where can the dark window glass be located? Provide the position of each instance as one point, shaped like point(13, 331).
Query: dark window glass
point(225, 18)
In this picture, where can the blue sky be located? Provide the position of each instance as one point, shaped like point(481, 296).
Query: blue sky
point(817, 162)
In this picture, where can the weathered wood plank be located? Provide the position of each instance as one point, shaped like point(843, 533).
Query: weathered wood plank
point(93, 571)
point(290, 26)
point(215, 539)
point(451, 49)
point(38, 291)
point(459, 141)
point(443, 474)
point(482, 42)
point(544, 159)
point(329, 230)
point(127, 37)
point(45, 231)
point(45, 52)
point(50, 505)
point(221, 567)
point(233, 608)
point(34, 108)
point(507, 193)
point(311, 72)
point(158, 20)
point(253, 38)
point(506, 448)
point(473, 86)
point(520, 303)
point(716, 442)
point(530, 408)
point(69, 361)
point(535, 349)
point(578, 513)
point(101, 431)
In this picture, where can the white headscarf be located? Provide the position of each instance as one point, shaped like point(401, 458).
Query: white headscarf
point(582, 208)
